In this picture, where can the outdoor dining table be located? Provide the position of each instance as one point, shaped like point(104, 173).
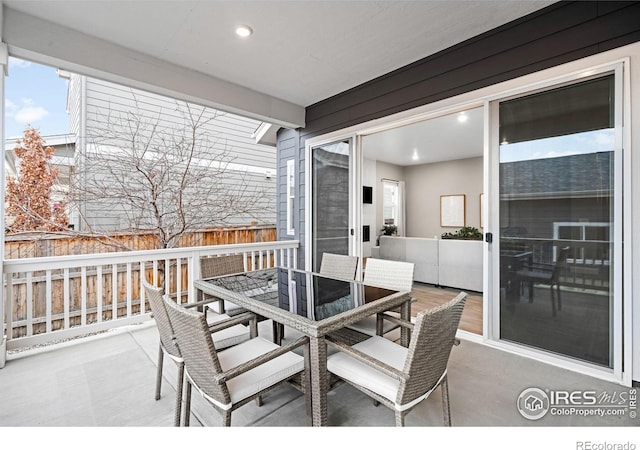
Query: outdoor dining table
point(314, 305)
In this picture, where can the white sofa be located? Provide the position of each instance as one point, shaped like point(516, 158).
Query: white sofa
point(443, 262)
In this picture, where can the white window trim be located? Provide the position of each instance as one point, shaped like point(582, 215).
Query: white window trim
point(291, 195)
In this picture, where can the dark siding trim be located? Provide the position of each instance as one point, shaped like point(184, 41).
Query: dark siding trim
point(558, 34)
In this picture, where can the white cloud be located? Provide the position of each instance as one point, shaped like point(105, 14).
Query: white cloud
point(18, 63)
point(26, 112)
point(30, 114)
point(9, 107)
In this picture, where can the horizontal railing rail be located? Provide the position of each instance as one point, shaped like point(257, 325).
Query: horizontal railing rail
point(54, 298)
point(588, 263)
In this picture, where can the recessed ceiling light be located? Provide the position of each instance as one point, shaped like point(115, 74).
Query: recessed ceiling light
point(462, 117)
point(415, 155)
point(244, 31)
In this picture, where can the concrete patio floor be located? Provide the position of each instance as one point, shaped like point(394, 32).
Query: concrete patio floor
point(108, 381)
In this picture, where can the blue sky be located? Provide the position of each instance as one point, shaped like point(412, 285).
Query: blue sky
point(36, 96)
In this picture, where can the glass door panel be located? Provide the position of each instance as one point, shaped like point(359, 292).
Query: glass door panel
point(557, 220)
point(331, 200)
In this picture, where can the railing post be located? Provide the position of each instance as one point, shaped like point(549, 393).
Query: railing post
point(193, 269)
point(4, 314)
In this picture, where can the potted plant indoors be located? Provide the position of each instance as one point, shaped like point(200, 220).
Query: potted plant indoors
point(389, 230)
point(467, 233)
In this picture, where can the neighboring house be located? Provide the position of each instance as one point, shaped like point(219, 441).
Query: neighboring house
point(555, 75)
point(64, 146)
point(92, 103)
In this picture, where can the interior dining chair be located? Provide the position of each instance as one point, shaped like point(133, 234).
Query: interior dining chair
point(235, 376)
point(226, 333)
point(398, 377)
point(387, 274)
point(217, 266)
point(339, 266)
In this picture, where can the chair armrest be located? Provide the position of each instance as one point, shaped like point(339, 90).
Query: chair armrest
point(243, 318)
point(201, 302)
point(368, 360)
point(396, 320)
point(255, 362)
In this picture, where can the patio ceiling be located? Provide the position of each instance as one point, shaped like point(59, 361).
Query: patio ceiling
point(301, 52)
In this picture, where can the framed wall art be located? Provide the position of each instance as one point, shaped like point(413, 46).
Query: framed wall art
point(452, 210)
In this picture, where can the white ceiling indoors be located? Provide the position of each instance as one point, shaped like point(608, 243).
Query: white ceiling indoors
point(454, 136)
point(301, 52)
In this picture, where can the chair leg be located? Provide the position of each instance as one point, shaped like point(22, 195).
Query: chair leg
point(553, 302)
point(187, 405)
point(446, 410)
point(559, 300)
point(379, 325)
point(226, 420)
point(278, 332)
point(530, 291)
point(399, 418)
point(179, 388)
point(159, 372)
point(253, 328)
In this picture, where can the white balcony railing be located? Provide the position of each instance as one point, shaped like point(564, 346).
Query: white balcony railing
point(55, 298)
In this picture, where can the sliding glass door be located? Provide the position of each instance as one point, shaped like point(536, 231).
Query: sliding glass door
point(331, 200)
point(558, 194)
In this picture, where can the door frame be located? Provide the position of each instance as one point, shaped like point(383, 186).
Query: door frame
point(622, 350)
point(355, 196)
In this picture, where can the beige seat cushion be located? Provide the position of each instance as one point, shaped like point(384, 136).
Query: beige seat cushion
point(229, 336)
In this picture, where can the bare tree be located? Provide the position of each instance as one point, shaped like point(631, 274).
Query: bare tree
point(173, 177)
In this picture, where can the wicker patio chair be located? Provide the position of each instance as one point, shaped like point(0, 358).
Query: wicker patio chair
point(235, 376)
point(228, 332)
point(400, 377)
point(339, 266)
point(395, 275)
point(217, 266)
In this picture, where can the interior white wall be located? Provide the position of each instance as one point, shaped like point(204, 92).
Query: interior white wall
point(425, 184)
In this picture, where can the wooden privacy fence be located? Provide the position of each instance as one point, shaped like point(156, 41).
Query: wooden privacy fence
point(40, 245)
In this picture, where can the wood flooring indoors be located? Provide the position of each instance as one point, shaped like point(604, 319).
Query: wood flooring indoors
point(428, 296)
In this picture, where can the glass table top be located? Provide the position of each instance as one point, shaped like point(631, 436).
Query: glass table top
point(304, 293)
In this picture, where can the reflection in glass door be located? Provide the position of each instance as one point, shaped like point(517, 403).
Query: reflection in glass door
point(557, 195)
point(330, 196)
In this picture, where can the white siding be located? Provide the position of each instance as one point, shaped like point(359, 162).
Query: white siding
point(252, 165)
